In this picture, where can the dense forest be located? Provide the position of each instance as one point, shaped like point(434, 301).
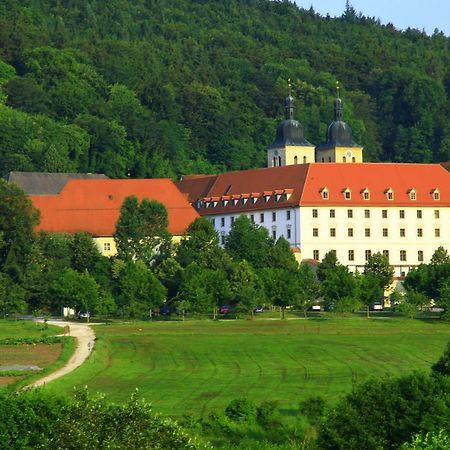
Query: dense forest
point(153, 88)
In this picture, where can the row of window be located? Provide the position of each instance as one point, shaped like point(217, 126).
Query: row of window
point(252, 218)
point(368, 254)
point(389, 193)
point(384, 213)
point(385, 232)
point(274, 235)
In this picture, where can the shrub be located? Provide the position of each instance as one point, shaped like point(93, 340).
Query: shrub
point(240, 410)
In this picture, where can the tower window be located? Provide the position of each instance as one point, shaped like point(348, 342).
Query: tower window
point(344, 159)
point(353, 159)
point(295, 160)
point(274, 161)
point(304, 160)
point(279, 161)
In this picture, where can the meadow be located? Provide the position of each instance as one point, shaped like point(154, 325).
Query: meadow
point(199, 366)
point(48, 357)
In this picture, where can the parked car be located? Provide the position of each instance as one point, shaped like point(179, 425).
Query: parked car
point(315, 308)
point(164, 310)
point(84, 314)
point(258, 309)
point(224, 309)
point(376, 306)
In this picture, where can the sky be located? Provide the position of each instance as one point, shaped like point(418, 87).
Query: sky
point(420, 14)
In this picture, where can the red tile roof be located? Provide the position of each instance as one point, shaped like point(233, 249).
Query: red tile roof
point(306, 183)
point(377, 178)
point(93, 206)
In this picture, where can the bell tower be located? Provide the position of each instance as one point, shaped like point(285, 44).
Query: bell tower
point(290, 146)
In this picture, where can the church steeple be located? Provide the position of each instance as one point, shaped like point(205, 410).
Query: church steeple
point(290, 145)
point(339, 146)
point(289, 103)
point(338, 109)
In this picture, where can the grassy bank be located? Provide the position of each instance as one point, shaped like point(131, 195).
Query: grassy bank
point(201, 366)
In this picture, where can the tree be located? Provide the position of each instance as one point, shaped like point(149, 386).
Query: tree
point(79, 291)
point(329, 262)
point(138, 290)
point(340, 289)
point(200, 243)
point(85, 253)
point(204, 289)
point(248, 241)
point(141, 231)
point(245, 287)
point(308, 287)
point(378, 266)
point(18, 218)
point(442, 366)
point(370, 289)
point(384, 413)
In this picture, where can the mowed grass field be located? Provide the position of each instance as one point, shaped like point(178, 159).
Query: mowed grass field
point(201, 366)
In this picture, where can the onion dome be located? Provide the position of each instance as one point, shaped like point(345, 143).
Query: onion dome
point(290, 131)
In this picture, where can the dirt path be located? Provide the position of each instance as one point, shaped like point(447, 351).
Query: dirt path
point(85, 337)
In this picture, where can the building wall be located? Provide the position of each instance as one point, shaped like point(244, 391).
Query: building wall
point(107, 244)
point(411, 242)
point(285, 219)
point(339, 153)
point(288, 155)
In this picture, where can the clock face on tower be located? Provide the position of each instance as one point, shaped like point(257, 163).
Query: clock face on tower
point(349, 154)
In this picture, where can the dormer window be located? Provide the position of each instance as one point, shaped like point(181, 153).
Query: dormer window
point(347, 194)
point(224, 202)
point(214, 204)
point(412, 194)
point(436, 194)
point(390, 194)
point(235, 201)
point(267, 195)
point(366, 194)
point(325, 194)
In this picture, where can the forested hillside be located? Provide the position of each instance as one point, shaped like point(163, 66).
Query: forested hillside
point(151, 88)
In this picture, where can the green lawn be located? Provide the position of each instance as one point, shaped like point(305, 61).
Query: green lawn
point(202, 365)
point(25, 329)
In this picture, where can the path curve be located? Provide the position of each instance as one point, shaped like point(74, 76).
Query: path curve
point(85, 337)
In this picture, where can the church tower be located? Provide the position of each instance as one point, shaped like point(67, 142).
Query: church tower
point(339, 146)
point(290, 146)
